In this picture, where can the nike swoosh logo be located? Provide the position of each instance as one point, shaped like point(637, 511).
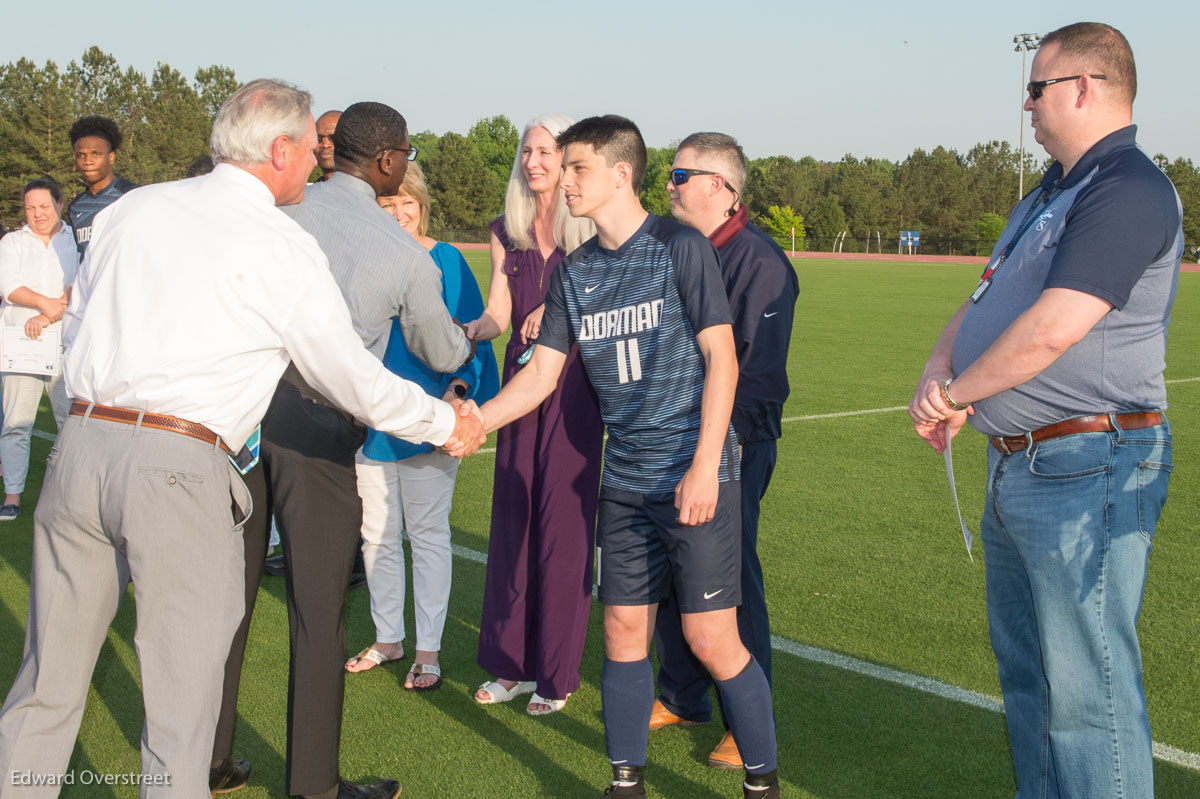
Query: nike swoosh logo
point(619, 762)
point(713, 594)
point(589, 290)
point(760, 765)
point(769, 315)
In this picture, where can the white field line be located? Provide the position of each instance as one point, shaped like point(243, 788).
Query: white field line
point(1167, 754)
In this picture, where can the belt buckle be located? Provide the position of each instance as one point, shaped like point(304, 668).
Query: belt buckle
point(1003, 445)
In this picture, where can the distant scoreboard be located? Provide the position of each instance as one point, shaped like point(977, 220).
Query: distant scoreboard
point(910, 238)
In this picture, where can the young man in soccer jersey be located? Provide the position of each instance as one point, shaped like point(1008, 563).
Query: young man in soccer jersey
point(645, 302)
point(95, 141)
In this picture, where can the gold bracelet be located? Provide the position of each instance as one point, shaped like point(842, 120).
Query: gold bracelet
point(950, 400)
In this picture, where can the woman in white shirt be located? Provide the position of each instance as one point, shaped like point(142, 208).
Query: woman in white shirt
point(37, 268)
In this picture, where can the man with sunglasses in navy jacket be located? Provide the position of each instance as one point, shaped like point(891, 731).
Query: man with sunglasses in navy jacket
point(705, 188)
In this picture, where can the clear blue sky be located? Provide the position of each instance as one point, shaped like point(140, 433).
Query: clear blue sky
point(866, 78)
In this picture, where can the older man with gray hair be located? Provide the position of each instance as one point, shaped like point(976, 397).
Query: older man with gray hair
point(192, 300)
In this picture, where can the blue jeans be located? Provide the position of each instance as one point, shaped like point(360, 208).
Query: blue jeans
point(1067, 531)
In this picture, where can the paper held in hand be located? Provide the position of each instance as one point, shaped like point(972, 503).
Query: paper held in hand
point(954, 492)
point(31, 356)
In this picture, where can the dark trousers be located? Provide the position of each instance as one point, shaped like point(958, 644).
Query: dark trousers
point(309, 482)
point(255, 533)
point(682, 681)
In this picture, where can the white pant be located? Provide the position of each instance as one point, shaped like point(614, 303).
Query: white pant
point(22, 393)
point(412, 495)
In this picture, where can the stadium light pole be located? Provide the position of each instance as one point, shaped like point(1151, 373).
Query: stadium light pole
point(1024, 43)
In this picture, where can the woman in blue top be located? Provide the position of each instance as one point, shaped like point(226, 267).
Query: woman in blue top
point(408, 487)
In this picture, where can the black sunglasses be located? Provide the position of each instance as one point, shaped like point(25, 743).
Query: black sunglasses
point(1036, 87)
point(680, 176)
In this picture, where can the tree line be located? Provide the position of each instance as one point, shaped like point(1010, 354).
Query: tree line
point(957, 200)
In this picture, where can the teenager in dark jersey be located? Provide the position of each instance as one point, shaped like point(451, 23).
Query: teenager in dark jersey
point(645, 303)
point(95, 141)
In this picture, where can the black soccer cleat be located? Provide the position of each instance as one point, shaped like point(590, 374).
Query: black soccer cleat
point(761, 786)
point(636, 789)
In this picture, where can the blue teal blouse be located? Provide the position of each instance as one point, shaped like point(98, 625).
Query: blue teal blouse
point(460, 292)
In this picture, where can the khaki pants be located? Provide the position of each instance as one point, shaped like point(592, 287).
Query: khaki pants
point(121, 502)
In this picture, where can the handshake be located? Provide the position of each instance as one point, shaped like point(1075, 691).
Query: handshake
point(470, 431)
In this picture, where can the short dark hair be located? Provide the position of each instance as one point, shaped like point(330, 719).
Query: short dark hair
point(1100, 49)
point(103, 127)
point(365, 130)
point(614, 137)
point(44, 182)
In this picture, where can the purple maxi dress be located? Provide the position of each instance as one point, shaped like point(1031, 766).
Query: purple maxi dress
point(538, 589)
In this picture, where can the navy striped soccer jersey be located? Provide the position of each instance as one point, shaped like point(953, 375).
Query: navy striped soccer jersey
point(85, 206)
point(634, 313)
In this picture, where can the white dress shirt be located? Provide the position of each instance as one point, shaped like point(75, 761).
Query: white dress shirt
point(25, 260)
point(192, 296)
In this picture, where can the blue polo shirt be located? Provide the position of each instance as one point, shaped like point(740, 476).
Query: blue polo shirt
point(1111, 228)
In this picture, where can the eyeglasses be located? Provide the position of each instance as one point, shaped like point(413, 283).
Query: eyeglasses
point(410, 153)
point(1036, 87)
point(680, 176)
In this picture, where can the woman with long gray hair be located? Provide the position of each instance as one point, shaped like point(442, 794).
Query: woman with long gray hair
point(538, 589)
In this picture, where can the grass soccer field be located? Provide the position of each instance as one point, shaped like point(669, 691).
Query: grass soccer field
point(884, 681)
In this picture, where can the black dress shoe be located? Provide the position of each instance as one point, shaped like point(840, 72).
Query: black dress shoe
point(384, 789)
point(229, 776)
point(275, 566)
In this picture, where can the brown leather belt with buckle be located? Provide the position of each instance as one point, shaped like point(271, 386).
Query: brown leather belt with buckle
point(1099, 423)
point(154, 420)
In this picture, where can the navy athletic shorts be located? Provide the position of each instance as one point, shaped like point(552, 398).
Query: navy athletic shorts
point(642, 549)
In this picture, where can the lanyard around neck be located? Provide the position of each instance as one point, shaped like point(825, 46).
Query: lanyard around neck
point(985, 280)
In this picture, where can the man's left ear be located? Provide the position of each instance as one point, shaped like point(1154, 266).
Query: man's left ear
point(384, 163)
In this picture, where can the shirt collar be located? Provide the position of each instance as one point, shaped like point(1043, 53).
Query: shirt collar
point(63, 230)
point(350, 183)
point(1117, 140)
point(730, 227)
point(243, 178)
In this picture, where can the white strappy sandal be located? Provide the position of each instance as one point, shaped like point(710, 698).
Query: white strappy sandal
point(497, 693)
point(555, 705)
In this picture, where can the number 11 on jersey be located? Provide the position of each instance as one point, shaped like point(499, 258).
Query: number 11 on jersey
point(629, 363)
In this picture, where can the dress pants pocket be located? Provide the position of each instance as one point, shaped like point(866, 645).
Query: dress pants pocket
point(242, 501)
point(169, 476)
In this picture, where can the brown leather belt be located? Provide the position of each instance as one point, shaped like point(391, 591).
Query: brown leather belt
point(1099, 423)
point(154, 420)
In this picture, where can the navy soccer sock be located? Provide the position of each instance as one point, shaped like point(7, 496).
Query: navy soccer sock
point(627, 693)
point(746, 701)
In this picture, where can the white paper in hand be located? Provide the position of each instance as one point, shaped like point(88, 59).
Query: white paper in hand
point(954, 491)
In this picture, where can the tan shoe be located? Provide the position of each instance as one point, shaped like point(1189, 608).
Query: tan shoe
point(661, 717)
point(725, 755)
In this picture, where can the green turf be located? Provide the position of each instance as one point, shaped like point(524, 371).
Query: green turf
point(862, 555)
